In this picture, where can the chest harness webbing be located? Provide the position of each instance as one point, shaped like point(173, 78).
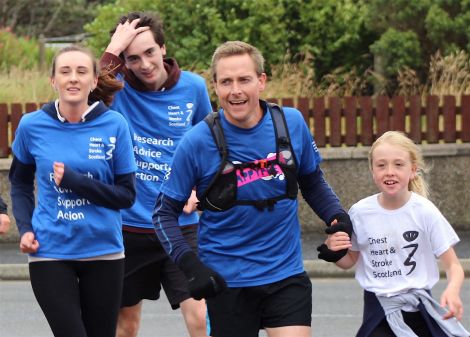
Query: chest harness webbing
point(221, 193)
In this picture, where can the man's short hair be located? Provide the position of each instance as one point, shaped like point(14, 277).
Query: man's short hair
point(231, 48)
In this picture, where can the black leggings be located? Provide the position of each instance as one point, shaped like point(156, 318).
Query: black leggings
point(79, 298)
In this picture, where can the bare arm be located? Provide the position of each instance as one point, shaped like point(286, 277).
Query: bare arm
point(450, 298)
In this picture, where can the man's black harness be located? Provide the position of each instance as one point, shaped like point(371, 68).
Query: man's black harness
point(221, 193)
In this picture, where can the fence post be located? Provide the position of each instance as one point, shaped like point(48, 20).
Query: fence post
point(367, 126)
point(3, 130)
point(415, 118)
point(432, 119)
point(398, 114)
point(16, 114)
point(465, 111)
point(350, 113)
point(382, 114)
point(335, 121)
point(304, 107)
point(448, 110)
point(319, 123)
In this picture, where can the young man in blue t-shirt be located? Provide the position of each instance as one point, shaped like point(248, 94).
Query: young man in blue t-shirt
point(250, 267)
point(161, 103)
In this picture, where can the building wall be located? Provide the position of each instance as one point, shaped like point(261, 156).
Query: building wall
point(347, 171)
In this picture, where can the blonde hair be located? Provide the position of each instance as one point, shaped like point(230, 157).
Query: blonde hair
point(232, 48)
point(398, 138)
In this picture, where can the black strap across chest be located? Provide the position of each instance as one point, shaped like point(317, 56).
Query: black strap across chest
point(221, 193)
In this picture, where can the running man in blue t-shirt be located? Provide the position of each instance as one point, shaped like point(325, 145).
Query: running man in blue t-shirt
point(161, 103)
point(250, 266)
point(79, 152)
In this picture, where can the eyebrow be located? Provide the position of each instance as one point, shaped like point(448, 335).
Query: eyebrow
point(69, 67)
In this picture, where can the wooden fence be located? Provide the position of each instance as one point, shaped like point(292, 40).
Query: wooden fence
point(334, 121)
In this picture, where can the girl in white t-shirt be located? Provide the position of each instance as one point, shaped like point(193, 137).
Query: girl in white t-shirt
point(398, 234)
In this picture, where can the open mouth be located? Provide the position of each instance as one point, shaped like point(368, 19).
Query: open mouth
point(237, 102)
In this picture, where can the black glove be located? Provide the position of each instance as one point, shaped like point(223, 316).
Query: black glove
point(343, 224)
point(203, 282)
point(329, 255)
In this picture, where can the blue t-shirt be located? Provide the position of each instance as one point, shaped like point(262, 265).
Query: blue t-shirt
point(247, 246)
point(158, 120)
point(66, 225)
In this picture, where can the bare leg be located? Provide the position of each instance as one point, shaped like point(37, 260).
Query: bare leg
point(194, 313)
point(129, 321)
point(290, 331)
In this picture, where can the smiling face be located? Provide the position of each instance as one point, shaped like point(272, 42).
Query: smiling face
point(74, 77)
point(144, 57)
point(392, 171)
point(238, 87)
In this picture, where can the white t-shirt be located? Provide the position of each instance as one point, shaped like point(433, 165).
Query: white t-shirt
point(398, 248)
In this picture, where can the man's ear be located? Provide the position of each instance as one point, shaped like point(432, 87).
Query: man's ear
point(262, 81)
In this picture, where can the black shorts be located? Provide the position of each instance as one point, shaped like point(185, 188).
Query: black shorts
point(244, 311)
point(148, 268)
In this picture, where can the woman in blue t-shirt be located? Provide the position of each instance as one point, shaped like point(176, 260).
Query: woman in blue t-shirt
point(80, 155)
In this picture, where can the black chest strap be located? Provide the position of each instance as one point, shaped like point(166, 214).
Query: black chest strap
point(221, 193)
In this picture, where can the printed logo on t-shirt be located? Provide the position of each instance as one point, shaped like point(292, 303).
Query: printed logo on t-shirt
point(69, 207)
point(267, 170)
point(314, 145)
point(380, 251)
point(410, 236)
point(150, 158)
point(111, 147)
point(98, 150)
point(382, 261)
point(180, 116)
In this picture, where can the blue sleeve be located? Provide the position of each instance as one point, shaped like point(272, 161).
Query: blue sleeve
point(21, 178)
point(20, 146)
point(306, 151)
point(319, 195)
point(119, 195)
point(165, 220)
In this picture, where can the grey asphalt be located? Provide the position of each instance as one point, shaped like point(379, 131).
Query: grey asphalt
point(337, 298)
point(337, 311)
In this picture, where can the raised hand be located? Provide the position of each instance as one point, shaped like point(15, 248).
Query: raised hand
point(191, 204)
point(123, 36)
point(28, 243)
point(59, 169)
